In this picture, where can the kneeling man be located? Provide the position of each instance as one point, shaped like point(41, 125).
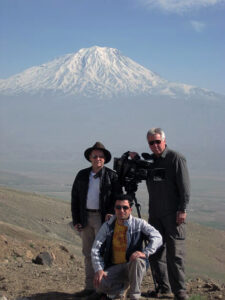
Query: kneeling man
point(118, 256)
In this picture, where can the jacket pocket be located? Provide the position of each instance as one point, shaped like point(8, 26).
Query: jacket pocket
point(181, 232)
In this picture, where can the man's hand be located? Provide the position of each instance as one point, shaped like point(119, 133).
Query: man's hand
point(181, 216)
point(108, 216)
point(132, 154)
point(137, 254)
point(78, 227)
point(98, 277)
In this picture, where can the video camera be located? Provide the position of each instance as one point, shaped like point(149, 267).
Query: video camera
point(132, 171)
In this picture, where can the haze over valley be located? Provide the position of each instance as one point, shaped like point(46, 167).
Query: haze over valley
point(51, 113)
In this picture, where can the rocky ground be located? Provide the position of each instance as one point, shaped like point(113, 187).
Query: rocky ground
point(31, 224)
point(22, 278)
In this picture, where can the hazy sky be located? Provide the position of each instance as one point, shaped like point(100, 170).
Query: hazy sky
point(181, 40)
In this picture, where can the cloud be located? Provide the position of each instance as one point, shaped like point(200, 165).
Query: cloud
point(180, 6)
point(198, 26)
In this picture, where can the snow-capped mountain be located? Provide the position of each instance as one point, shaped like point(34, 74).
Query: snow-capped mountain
point(94, 72)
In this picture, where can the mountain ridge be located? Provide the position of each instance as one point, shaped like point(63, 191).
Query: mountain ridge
point(95, 72)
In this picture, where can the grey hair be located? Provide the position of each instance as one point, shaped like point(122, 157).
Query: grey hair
point(153, 131)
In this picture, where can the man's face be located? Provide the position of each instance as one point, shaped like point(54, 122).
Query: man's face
point(156, 144)
point(122, 210)
point(97, 159)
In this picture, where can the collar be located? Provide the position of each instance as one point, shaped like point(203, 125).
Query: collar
point(126, 223)
point(163, 155)
point(98, 174)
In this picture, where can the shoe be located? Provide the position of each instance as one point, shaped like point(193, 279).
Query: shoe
point(181, 295)
point(84, 293)
point(104, 297)
point(150, 294)
point(97, 296)
point(131, 298)
point(157, 294)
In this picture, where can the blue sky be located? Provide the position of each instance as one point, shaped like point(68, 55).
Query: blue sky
point(181, 40)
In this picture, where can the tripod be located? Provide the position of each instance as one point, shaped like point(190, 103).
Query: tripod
point(131, 188)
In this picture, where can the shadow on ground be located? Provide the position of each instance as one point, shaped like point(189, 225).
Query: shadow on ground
point(52, 296)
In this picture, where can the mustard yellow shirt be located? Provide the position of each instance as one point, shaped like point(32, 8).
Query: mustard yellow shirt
point(119, 244)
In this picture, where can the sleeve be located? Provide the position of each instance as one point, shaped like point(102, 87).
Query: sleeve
point(154, 239)
point(96, 257)
point(75, 203)
point(115, 190)
point(183, 183)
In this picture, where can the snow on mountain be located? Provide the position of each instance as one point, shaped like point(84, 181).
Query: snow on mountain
point(94, 72)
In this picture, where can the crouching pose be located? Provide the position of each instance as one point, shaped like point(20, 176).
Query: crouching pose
point(118, 256)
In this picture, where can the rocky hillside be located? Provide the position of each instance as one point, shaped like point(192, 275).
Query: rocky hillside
point(43, 263)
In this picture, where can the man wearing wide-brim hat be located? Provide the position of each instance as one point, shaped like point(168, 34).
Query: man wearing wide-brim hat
point(92, 202)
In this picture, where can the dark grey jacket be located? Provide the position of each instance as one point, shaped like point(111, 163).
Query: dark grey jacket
point(109, 187)
point(168, 184)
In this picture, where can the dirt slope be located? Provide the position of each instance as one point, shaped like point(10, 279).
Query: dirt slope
point(31, 224)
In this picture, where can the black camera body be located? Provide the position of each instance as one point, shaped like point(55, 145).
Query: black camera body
point(131, 171)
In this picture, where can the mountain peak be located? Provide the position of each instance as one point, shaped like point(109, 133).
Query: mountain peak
point(92, 72)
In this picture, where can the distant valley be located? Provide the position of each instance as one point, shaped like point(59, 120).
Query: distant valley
point(50, 114)
point(207, 205)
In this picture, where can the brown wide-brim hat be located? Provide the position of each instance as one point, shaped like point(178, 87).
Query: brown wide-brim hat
point(98, 146)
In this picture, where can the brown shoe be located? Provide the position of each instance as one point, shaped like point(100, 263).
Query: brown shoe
point(84, 293)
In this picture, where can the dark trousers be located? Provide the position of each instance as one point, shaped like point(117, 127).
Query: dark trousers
point(167, 264)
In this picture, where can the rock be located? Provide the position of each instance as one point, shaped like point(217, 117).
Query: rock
point(64, 248)
point(4, 239)
point(212, 286)
point(219, 297)
point(44, 258)
point(29, 254)
point(53, 255)
point(18, 252)
point(5, 261)
point(216, 287)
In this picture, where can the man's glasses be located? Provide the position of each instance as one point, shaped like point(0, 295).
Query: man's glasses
point(97, 156)
point(151, 143)
point(124, 207)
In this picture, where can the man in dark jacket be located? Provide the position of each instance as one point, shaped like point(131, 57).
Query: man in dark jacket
point(93, 194)
point(169, 192)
